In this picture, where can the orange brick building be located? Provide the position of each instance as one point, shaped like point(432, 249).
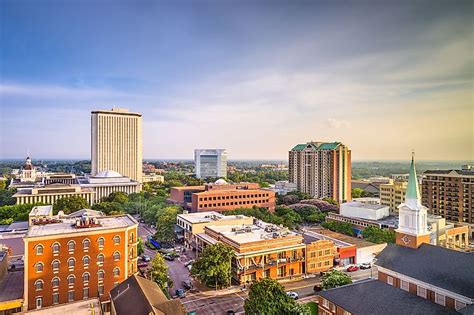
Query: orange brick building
point(75, 258)
point(221, 196)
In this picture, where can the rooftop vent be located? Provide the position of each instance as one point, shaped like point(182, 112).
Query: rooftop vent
point(85, 222)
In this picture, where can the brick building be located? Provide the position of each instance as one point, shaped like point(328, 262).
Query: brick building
point(75, 258)
point(221, 196)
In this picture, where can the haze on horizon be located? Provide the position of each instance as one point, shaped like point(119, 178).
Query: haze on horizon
point(255, 77)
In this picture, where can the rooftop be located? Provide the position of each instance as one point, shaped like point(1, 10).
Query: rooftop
point(368, 206)
point(445, 268)
point(376, 297)
point(210, 216)
point(67, 226)
point(455, 173)
point(11, 286)
point(316, 146)
point(89, 306)
point(359, 243)
point(41, 210)
point(116, 111)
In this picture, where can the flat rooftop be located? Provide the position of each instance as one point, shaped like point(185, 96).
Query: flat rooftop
point(66, 226)
point(210, 216)
point(359, 243)
point(189, 188)
point(260, 231)
point(41, 210)
point(368, 206)
point(86, 307)
point(14, 242)
point(11, 286)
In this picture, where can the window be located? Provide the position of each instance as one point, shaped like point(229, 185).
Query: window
point(458, 305)
point(39, 302)
point(389, 280)
point(39, 249)
point(132, 238)
point(440, 299)
point(55, 264)
point(71, 280)
point(101, 241)
point(116, 272)
point(70, 296)
point(327, 252)
point(404, 285)
point(39, 285)
point(421, 292)
point(55, 282)
point(56, 247)
point(39, 267)
point(116, 240)
point(100, 259)
point(101, 289)
point(100, 275)
point(71, 263)
point(86, 243)
point(86, 260)
point(85, 293)
point(325, 303)
point(116, 256)
point(86, 276)
point(71, 245)
point(56, 298)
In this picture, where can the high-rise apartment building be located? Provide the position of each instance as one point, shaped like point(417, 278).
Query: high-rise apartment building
point(116, 142)
point(392, 194)
point(77, 257)
point(450, 194)
point(210, 163)
point(321, 169)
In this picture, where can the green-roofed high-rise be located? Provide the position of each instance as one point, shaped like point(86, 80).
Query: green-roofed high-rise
point(321, 169)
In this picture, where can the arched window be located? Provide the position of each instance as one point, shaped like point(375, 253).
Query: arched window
point(116, 240)
point(116, 271)
point(117, 256)
point(55, 282)
point(101, 274)
point(71, 245)
point(86, 276)
point(101, 241)
point(86, 260)
point(132, 237)
point(100, 259)
point(39, 285)
point(71, 262)
point(39, 267)
point(39, 249)
point(71, 280)
point(132, 252)
point(55, 264)
point(56, 247)
point(86, 243)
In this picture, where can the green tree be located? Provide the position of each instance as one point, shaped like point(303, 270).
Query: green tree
point(159, 273)
point(268, 297)
point(140, 248)
point(334, 279)
point(3, 184)
point(109, 208)
point(331, 201)
point(341, 227)
point(213, 266)
point(117, 196)
point(357, 192)
point(6, 197)
point(376, 235)
point(70, 204)
point(165, 223)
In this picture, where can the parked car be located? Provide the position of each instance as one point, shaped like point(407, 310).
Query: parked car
point(168, 257)
point(352, 268)
point(293, 295)
point(180, 293)
point(142, 265)
point(187, 284)
point(317, 288)
point(365, 266)
point(189, 263)
point(146, 258)
point(230, 312)
point(189, 267)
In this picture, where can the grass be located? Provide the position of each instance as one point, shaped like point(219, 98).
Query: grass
point(314, 308)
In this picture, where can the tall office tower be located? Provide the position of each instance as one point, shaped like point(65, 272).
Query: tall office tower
point(210, 163)
point(116, 140)
point(321, 169)
point(450, 194)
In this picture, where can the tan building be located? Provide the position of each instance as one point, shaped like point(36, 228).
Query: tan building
point(393, 194)
point(76, 258)
point(153, 177)
point(116, 140)
point(322, 170)
point(49, 194)
point(194, 223)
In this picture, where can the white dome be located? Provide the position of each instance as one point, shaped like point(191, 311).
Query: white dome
point(108, 174)
point(220, 181)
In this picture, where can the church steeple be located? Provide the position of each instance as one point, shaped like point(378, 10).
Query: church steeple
point(412, 195)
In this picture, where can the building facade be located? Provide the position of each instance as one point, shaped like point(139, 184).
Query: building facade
point(210, 163)
point(70, 259)
point(322, 170)
point(393, 194)
point(49, 194)
point(450, 194)
point(116, 142)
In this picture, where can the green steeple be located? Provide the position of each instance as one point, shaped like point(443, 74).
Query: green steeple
point(412, 186)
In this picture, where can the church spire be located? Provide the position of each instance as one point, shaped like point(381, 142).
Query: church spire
point(412, 193)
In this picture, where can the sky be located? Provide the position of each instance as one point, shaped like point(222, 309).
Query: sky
point(254, 77)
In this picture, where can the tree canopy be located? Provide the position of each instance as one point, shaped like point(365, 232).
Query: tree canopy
point(340, 227)
point(159, 273)
point(213, 266)
point(334, 279)
point(376, 235)
point(165, 223)
point(70, 204)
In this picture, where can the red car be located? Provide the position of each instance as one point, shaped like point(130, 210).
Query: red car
point(142, 265)
point(352, 268)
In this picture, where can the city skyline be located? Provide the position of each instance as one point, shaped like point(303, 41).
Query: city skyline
point(382, 79)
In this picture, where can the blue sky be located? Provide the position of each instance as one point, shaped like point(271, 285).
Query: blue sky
point(253, 77)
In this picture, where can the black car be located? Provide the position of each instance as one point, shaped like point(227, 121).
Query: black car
point(168, 257)
point(187, 284)
point(317, 288)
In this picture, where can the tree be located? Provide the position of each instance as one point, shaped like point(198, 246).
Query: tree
point(357, 192)
point(334, 279)
point(3, 184)
point(330, 201)
point(6, 197)
point(140, 248)
point(267, 296)
point(213, 266)
point(70, 204)
point(117, 196)
point(109, 208)
point(376, 235)
point(159, 273)
point(165, 223)
point(341, 227)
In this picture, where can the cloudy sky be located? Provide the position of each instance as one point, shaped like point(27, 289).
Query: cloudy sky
point(253, 77)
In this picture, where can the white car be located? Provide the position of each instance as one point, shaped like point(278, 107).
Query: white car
point(293, 295)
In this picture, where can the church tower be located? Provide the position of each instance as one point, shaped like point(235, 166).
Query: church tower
point(412, 226)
